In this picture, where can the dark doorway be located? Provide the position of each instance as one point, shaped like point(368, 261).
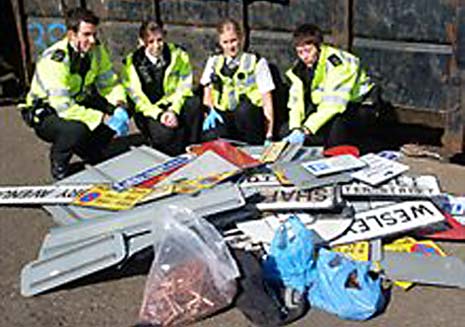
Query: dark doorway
point(10, 55)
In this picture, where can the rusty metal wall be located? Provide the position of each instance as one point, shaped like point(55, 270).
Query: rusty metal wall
point(414, 49)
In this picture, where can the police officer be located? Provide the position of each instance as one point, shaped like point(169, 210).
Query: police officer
point(237, 90)
point(75, 101)
point(327, 89)
point(158, 80)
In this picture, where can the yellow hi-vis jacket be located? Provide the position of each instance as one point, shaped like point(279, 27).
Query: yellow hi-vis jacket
point(338, 79)
point(177, 84)
point(243, 82)
point(54, 82)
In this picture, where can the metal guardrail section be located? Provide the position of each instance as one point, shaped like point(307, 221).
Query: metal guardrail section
point(118, 168)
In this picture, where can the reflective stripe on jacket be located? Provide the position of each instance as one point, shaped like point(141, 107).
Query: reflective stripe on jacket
point(54, 82)
point(177, 84)
point(226, 95)
point(337, 80)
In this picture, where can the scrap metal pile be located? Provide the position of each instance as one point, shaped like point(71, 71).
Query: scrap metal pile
point(363, 207)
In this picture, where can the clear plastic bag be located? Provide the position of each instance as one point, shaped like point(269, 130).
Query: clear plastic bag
point(192, 275)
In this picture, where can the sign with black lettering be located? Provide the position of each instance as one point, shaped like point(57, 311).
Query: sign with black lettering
point(379, 169)
point(49, 194)
point(292, 198)
point(396, 218)
point(260, 180)
point(388, 191)
point(263, 230)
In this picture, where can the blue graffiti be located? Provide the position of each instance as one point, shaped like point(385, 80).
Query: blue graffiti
point(55, 32)
point(42, 35)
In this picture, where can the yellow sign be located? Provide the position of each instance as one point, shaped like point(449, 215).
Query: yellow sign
point(359, 251)
point(104, 197)
point(189, 186)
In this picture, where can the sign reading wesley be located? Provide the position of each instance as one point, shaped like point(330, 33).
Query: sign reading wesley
point(391, 219)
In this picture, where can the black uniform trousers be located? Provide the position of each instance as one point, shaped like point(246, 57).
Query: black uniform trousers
point(246, 124)
point(173, 141)
point(70, 136)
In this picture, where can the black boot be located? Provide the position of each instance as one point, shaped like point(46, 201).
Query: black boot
point(59, 170)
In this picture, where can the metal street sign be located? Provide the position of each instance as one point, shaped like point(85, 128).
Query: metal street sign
point(50, 194)
point(263, 230)
point(396, 218)
point(260, 180)
point(333, 165)
point(379, 169)
point(292, 198)
point(143, 177)
point(389, 191)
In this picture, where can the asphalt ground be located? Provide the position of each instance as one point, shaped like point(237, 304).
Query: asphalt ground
point(113, 298)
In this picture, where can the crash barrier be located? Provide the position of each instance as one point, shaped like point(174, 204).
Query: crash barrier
point(324, 245)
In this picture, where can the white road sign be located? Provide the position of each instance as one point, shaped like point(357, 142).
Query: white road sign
point(396, 218)
point(292, 198)
point(379, 169)
point(333, 165)
point(50, 194)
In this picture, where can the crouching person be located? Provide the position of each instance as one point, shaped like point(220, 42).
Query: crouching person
point(158, 80)
point(327, 89)
point(237, 90)
point(75, 102)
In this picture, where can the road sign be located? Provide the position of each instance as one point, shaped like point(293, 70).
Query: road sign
point(104, 197)
point(333, 165)
point(263, 230)
point(384, 221)
point(379, 169)
point(260, 180)
point(50, 194)
point(292, 198)
point(150, 176)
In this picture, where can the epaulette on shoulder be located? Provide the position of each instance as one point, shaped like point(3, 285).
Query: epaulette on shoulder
point(58, 55)
point(335, 60)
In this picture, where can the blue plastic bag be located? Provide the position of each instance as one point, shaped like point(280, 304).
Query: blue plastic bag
point(292, 256)
point(344, 287)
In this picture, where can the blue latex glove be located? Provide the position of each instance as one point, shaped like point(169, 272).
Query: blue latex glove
point(119, 122)
point(211, 120)
point(296, 137)
point(268, 142)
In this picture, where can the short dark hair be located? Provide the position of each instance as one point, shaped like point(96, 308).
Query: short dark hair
point(229, 23)
point(75, 16)
point(150, 26)
point(307, 34)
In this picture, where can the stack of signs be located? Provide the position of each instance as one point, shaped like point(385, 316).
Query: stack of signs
point(379, 169)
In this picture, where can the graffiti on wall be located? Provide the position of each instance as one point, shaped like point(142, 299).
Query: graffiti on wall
point(43, 34)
